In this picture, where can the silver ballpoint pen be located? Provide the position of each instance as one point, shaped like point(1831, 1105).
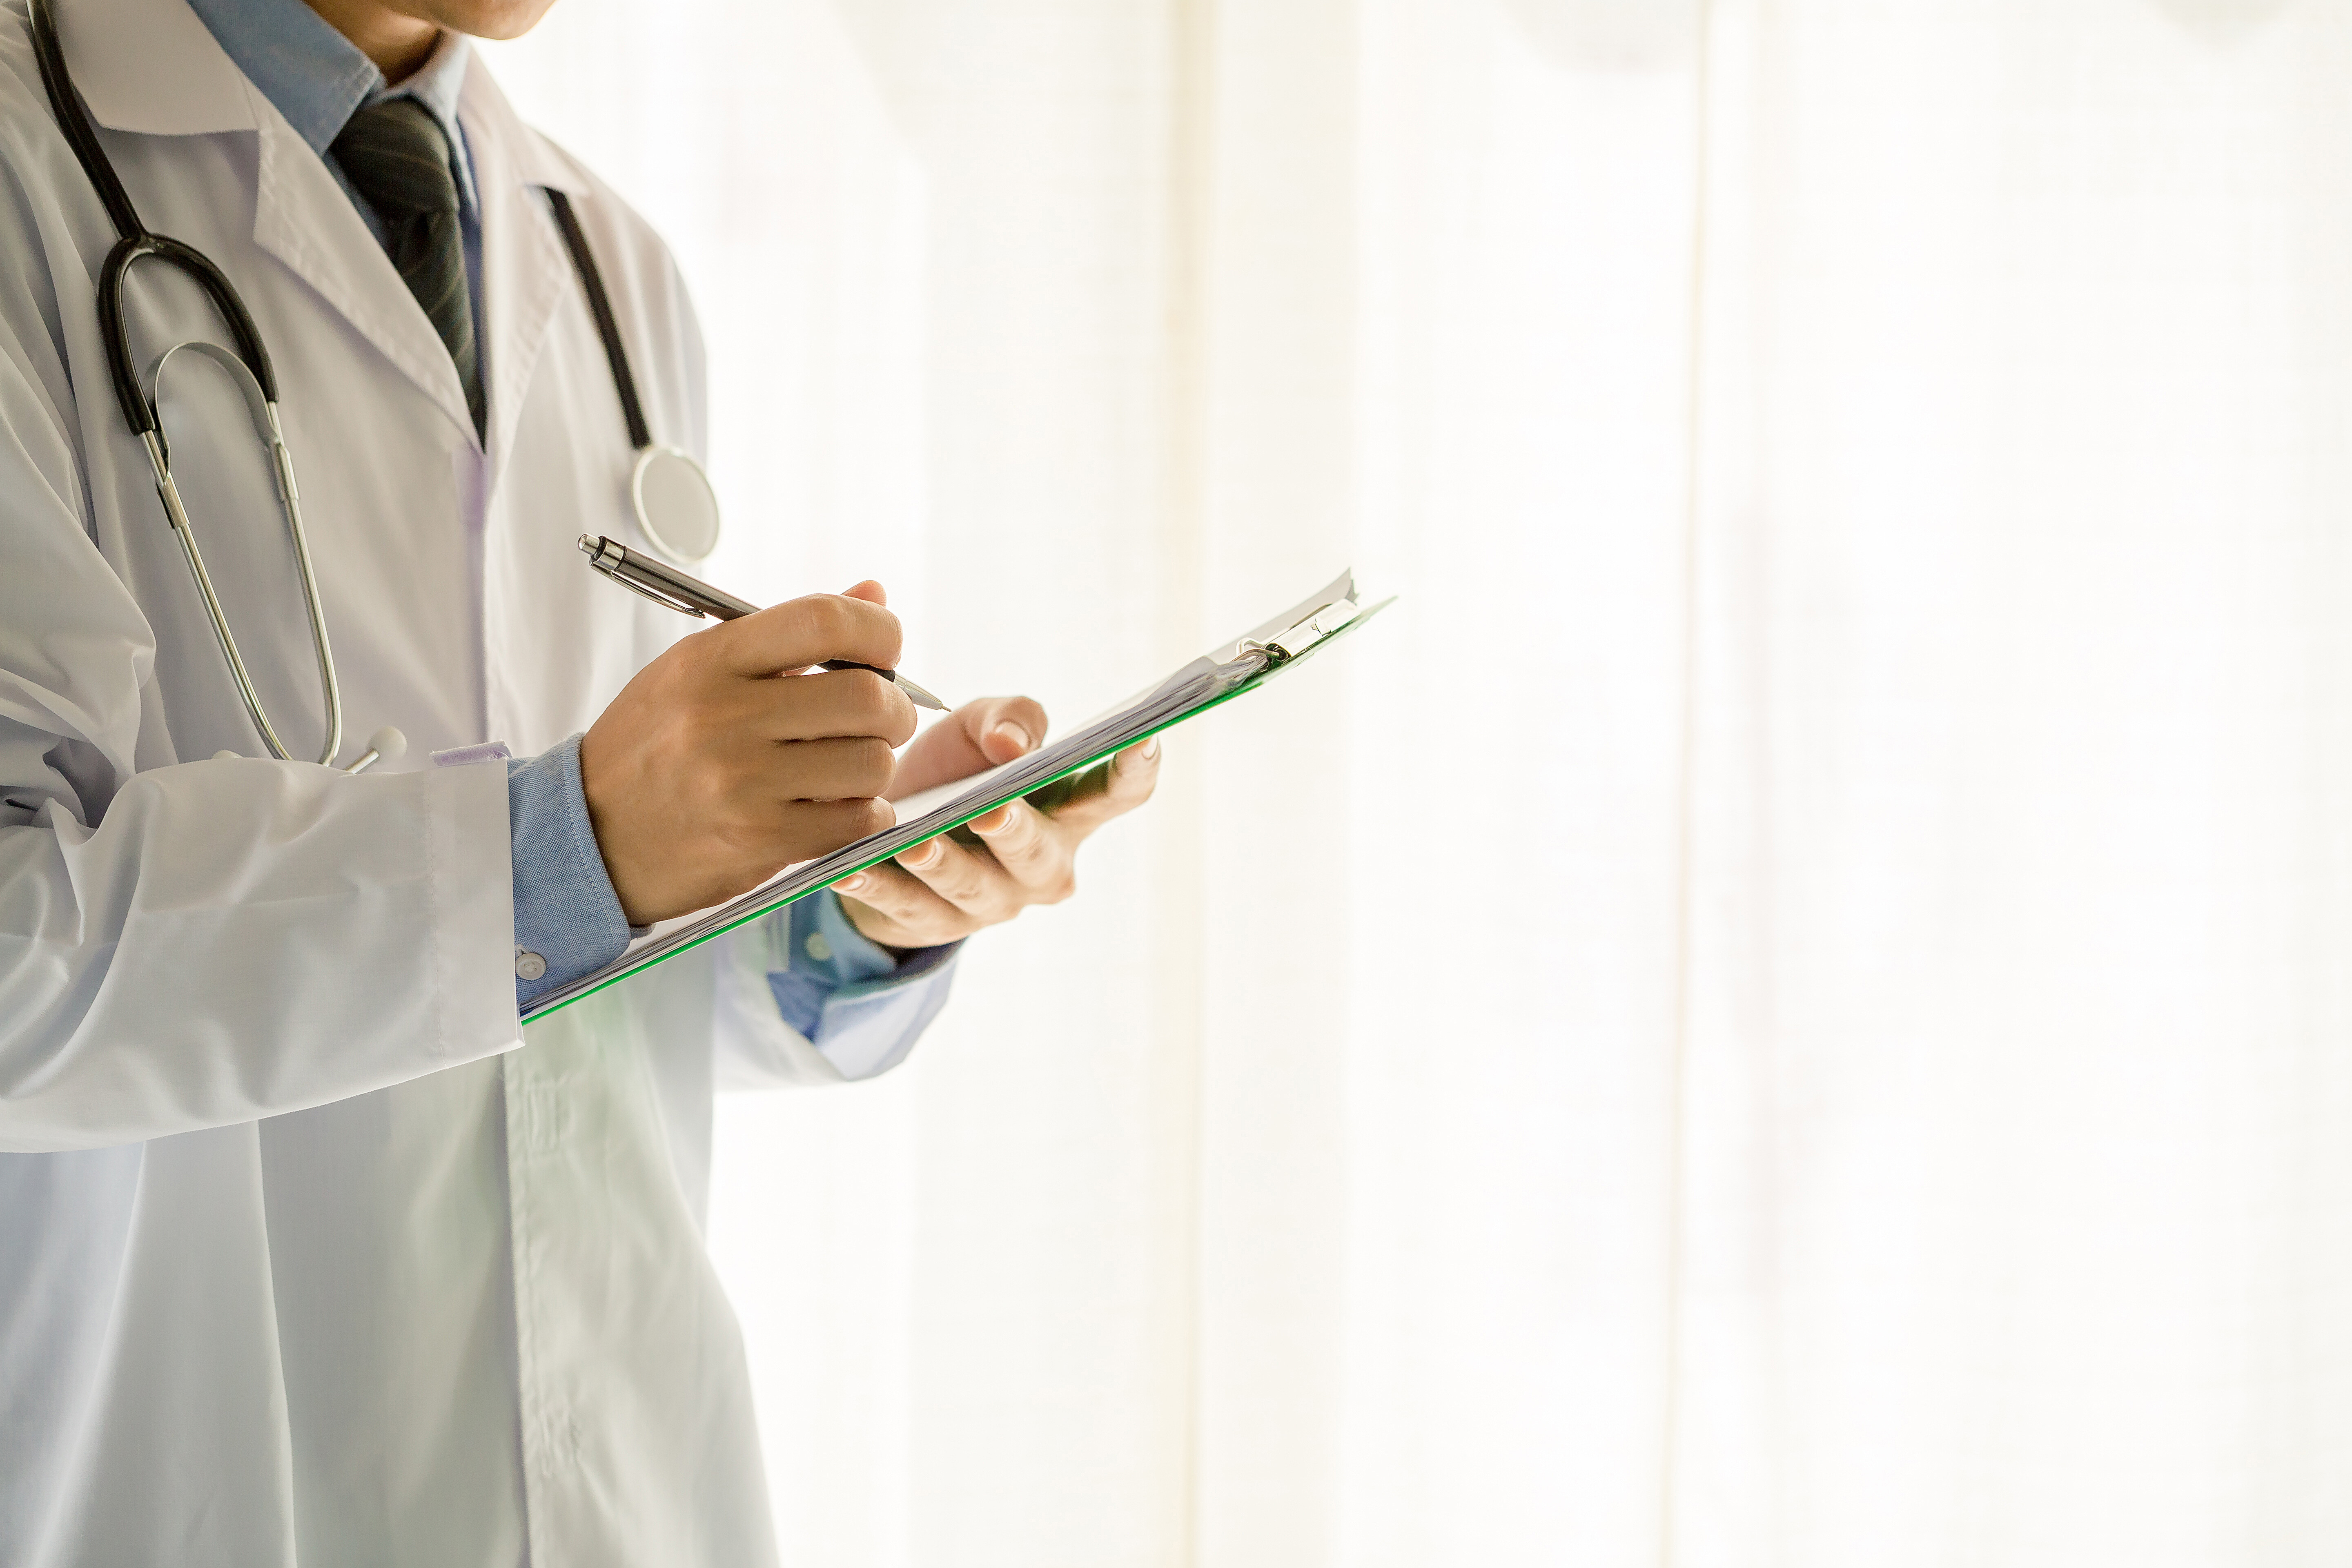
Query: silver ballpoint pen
point(666, 584)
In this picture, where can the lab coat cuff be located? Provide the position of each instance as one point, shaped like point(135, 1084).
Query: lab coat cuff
point(465, 848)
point(567, 919)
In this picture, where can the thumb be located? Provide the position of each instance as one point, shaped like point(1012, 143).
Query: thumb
point(971, 740)
point(870, 591)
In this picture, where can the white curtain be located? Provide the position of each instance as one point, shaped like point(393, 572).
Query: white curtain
point(1790, 1004)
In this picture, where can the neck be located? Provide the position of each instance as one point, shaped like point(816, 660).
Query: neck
point(397, 42)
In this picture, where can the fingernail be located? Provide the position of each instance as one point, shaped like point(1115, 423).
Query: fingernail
point(850, 885)
point(1014, 733)
point(1002, 814)
point(1152, 750)
point(922, 854)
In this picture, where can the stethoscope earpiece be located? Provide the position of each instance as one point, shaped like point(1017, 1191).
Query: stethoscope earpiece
point(386, 745)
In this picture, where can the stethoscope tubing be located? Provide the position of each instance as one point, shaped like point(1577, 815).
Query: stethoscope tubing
point(608, 326)
point(138, 243)
point(624, 385)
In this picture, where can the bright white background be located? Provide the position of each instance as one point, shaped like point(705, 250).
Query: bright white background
point(1789, 1005)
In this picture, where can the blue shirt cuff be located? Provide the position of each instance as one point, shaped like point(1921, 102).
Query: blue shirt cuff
point(567, 919)
point(860, 1005)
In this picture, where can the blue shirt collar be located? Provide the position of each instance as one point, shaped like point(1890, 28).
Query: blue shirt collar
point(315, 78)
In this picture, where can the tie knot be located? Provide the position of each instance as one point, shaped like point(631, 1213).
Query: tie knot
point(395, 154)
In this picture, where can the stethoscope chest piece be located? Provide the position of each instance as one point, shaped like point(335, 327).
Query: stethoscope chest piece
point(676, 506)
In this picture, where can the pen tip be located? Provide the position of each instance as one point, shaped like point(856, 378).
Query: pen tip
point(917, 696)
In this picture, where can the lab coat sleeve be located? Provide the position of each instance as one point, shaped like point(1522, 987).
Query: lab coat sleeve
point(205, 942)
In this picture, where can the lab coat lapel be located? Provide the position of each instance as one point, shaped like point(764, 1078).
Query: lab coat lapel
point(302, 217)
point(526, 275)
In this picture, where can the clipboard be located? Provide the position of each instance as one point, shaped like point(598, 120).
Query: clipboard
point(1044, 777)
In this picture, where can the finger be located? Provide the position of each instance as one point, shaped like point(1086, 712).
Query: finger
point(914, 915)
point(821, 705)
point(805, 631)
point(1007, 727)
point(1112, 790)
point(970, 880)
point(973, 739)
point(793, 831)
point(1031, 850)
point(870, 591)
point(841, 768)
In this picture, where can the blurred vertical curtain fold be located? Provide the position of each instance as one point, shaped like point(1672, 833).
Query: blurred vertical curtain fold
point(1790, 1006)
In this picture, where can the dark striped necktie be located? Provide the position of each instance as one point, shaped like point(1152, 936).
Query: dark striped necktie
point(396, 155)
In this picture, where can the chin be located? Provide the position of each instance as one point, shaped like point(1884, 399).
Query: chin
point(487, 19)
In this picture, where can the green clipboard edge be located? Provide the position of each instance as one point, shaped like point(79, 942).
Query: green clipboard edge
point(1051, 790)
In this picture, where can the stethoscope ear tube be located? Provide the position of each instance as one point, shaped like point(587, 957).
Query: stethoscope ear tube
point(263, 412)
point(136, 406)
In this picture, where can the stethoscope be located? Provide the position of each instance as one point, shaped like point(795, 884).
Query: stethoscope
point(676, 506)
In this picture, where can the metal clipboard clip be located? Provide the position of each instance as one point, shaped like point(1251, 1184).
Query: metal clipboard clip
point(1284, 645)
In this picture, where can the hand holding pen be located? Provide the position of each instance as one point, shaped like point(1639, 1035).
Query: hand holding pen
point(705, 775)
point(666, 584)
point(708, 774)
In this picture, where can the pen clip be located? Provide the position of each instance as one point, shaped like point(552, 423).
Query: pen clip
point(613, 561)
point(656, 595)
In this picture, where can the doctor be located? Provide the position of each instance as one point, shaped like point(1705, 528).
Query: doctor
point(305, 1254)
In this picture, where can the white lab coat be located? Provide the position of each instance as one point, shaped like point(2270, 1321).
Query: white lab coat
point(300, 1259)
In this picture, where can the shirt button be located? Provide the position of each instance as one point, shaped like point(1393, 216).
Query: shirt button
point(529, 965)
point(817, 947)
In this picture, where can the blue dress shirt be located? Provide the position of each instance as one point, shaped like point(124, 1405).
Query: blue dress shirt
point(858, 1004)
